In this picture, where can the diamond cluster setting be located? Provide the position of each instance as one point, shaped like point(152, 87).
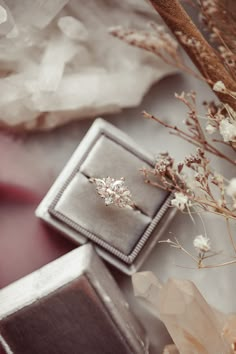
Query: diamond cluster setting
point(114, 191)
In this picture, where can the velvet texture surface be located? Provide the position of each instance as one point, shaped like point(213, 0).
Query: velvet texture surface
point(121, 228)
point(81, 206)
point(70, 320)
point(109, 158)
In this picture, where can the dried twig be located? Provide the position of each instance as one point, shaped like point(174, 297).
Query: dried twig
point(199, 141)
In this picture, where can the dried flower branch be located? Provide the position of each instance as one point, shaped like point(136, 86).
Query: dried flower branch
point(195, 135)
point(176, 244)
point(202, 54)
point(193, 182)
point(158, 42)
point(203, 249)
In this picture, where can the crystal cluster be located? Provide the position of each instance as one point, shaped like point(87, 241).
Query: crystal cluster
point(193, 324)
point(114, 191)
point(59, 62)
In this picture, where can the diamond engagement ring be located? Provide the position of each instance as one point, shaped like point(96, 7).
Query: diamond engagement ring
point(114, 191)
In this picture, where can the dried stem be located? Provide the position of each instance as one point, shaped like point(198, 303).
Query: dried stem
point(230, 234)
point(217, 265)
point(203, 203)
point(189, 138)
point(157, 42)
point(205, 58)
point(202, 256)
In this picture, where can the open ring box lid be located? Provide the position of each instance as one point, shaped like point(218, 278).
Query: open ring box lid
point(123, 237)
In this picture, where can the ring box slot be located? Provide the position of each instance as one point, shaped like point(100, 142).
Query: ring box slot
point(86, 212)
point(109, 157)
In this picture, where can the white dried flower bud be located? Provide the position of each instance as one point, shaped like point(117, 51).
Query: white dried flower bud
point(217, 178)
point(210, 129)
point(227, 130)
point(231, 189)
point(219, 87)
point(202, 243)
point(180, 201)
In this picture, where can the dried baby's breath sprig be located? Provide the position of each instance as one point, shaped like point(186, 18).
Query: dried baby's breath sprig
point(195, 133)
point(193, 183)
point(221, 119)
point(181, 201)
point(228, 130)
point(203, 248)
point(202, 244)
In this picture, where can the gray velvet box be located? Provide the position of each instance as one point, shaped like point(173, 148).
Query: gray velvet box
point(123, 237)
point(72, 305)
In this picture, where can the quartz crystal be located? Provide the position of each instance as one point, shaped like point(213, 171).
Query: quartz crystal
point(73, 28)
point(37, 13)
point(59, 61)
point(195, 327)
point(170, 349)
point(3, 15)
point(229, 331)
point(147, 286)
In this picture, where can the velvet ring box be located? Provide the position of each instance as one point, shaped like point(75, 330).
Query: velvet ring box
point(123, 237)
point(70, 306)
